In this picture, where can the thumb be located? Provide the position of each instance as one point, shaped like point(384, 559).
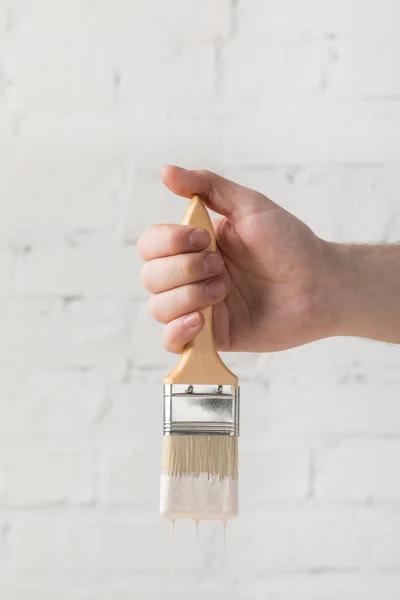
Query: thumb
point(219, 194)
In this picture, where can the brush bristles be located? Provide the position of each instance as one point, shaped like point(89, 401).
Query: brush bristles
point(215, 456)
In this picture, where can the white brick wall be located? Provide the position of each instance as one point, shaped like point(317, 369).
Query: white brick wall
point(300, 100)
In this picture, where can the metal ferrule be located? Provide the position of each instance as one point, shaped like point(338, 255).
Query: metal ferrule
point(201, 409)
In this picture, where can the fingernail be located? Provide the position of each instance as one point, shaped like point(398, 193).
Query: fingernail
point(213, 263)
point(199, 238)
point(191, 320)
point(215, 288)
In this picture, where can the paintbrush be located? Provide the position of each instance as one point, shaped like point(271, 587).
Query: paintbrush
point(199, 478)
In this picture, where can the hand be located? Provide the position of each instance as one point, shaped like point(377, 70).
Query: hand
point(269, 283)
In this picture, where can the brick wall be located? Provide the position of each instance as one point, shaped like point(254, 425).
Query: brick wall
point(300, 100)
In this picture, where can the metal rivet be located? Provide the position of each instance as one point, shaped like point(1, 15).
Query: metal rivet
point(189, 389)
point(219, 389)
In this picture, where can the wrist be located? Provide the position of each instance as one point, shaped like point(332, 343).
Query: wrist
point(362, 290)
point(346, 283)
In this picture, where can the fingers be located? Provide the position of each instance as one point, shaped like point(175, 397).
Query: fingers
point(172, 304)
point(167, 240)
point(162, 274)
point(220, 194)
point(183, 279)
point(181, 331)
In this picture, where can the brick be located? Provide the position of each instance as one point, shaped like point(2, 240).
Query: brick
point(6, 540)
point(358, 470)
point(99, 268)
point(328, 586)
point(332, 409)
point(134, 545)
point(3, 80)
point(314, 539)
point(40, 546)
point(177, 19)
point(67, 78)
point(355, 79)
point(132, 19)
point(284, 475)
point(169, 89)
point(296, 540)
point(328, 199)
point(289, 70)
point(279, 587)
point(43, 477)
point(132, 414)
point(3, 17)
point(9, 267)
point(147, 349)
point(316, 17)
point(144, 189)
point(51, 190)
point(38, 405)
point(335, 361)
point(149, 138)
point(11, 593)
point(118, 545)
point(70, 332)
point(134, 479)
point(380, 539)
point(310, 131)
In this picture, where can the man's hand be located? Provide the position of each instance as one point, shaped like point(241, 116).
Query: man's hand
point(273, 283)
point(269, 282)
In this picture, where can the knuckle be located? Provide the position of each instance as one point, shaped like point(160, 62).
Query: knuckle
point(165, 340)
point(140, 246)
point(183, 268)
point(186, 268)
point(188, 296)
point(182, 239)
point(175, 240)
point(154, 308)
point(146, 277)
point(144, 242)
point(170, 240)
point(168, 343)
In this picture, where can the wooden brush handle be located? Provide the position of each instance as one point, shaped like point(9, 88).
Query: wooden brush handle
point(200, 362)
point(197, 215)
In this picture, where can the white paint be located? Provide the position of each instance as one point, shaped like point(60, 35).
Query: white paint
point(172, 554)
point(224, 523)
point(198, 498)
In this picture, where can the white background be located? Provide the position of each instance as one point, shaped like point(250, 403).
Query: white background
point(300, 100)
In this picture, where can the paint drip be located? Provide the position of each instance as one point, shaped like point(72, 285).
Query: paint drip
point(172, 543)
point(171, 567)
point(197, 530)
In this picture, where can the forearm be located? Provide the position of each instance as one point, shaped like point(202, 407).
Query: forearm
point(366, 291)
